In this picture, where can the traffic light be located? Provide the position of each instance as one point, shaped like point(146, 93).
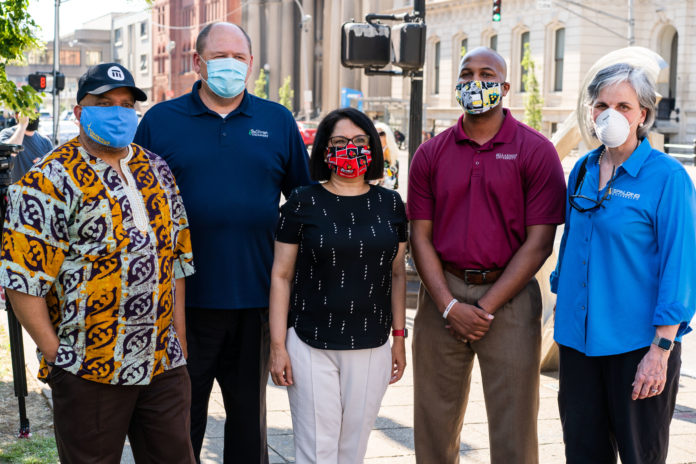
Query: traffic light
point(37, 81)
point(496, 10)
point(59, 82)
point(365, 45)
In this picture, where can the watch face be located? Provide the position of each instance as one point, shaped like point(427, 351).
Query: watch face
point(665, 344)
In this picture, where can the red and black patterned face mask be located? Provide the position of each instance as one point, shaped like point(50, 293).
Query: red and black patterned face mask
point(349, 161)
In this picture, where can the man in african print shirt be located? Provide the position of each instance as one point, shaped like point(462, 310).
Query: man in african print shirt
point(95, 249)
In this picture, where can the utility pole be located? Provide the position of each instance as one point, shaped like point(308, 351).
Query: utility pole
point(56, 64)
point(415, 120)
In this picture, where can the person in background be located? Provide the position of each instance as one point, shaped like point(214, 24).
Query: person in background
point(484, 199)
point(338, 287)
point(624, 279)
point(400, 138)
point(232, 154)
point(390, 179)
point(94, 253)
point(34, 145)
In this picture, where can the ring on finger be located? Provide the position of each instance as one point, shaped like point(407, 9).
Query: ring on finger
point(654, 390)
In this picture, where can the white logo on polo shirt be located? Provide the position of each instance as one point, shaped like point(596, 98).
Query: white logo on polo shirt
point(624, 194)
point(115, 73)
point(506, 156)
point(258, 133)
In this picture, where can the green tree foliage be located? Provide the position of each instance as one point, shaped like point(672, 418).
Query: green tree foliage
point(260, 85)
point(533, 101)
point(286, 94)
point(17, 34)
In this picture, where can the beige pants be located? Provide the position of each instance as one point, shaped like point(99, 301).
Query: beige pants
point(334, 400)
point(509, 357)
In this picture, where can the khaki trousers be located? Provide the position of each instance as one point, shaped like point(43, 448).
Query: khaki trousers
point(509, 357)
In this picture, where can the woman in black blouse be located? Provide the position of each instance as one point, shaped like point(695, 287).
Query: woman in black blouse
point(338, 286)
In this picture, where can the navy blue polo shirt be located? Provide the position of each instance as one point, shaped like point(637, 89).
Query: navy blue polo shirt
point(231, 172)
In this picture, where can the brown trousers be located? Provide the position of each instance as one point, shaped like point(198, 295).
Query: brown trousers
point(509, 357)
point(92, 419)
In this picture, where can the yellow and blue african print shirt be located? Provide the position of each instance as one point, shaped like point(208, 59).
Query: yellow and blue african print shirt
point(74, 236)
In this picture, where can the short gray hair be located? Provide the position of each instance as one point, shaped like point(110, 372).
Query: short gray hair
point(636, 77)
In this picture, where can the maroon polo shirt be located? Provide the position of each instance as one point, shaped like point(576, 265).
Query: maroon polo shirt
point(481, 198)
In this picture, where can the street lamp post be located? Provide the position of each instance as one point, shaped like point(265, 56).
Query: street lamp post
point(56, 64)
point(306, 91)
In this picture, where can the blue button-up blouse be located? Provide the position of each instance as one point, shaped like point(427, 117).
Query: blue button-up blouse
point(629, 265)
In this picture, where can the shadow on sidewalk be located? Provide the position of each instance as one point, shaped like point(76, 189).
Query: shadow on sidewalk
point(684, 413)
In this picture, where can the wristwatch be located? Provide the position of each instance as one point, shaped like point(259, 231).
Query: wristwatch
point(400, 333)
point(663, 343)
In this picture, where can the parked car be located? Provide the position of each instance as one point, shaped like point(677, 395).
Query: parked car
point(308, 130)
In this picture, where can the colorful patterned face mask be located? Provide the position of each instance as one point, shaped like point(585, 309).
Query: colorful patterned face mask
point(476, 97)
point(349, 161)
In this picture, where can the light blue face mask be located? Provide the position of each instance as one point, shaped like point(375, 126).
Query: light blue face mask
point(226, 76)
point(112, 126)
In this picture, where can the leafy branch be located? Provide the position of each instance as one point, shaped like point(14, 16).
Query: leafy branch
point(17, 34)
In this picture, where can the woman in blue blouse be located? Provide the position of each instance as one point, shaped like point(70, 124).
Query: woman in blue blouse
point(624, 280)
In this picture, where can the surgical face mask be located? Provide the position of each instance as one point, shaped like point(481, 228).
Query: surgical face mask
point(612, 128)
point(349, 161)
point(226, 76)
point(111, 126)
point(476, 97)
point(33, 124)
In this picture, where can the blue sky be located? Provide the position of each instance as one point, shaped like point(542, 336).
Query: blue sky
point(75, 12)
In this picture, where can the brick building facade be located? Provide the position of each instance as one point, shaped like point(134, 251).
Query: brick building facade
point(175, 26)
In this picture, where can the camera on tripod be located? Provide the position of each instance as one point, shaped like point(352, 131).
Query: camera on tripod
point(7, 150)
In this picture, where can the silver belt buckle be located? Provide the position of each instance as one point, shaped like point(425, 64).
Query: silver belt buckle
point(474, 272)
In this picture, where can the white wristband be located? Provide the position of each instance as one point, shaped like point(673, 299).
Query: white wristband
point(449, 307)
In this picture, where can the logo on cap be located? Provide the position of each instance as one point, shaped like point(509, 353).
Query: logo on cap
point(115, 73)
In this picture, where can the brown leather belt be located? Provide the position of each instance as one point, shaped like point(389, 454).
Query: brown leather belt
point(475, 276)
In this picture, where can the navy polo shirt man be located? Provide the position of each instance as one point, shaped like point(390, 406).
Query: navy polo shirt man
point(232, 154)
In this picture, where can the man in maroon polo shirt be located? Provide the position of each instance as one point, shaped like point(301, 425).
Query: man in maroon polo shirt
point(484, 199)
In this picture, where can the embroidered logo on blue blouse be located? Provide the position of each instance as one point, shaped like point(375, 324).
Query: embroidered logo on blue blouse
point(624, 194)
point(258, 133)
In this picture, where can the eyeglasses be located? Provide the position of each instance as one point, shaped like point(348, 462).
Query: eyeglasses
point(584, 204)
point(340, 141)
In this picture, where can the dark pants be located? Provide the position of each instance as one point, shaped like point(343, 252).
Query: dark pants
point(232, 347)
point(598, 415)
point(92, 419)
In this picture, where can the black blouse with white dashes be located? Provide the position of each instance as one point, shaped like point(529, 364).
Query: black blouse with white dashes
point(341, 297)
